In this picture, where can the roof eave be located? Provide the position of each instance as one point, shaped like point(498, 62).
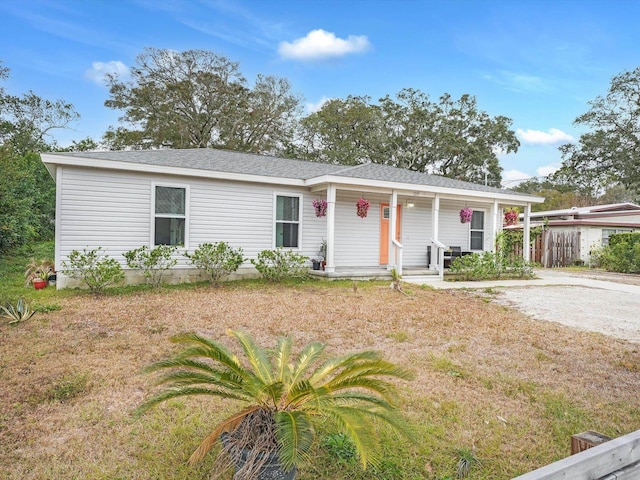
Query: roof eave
point(417, 189)
point(86, 162)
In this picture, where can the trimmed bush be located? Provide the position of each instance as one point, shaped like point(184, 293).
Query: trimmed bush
point(152, 262)
point(276, 265)
point(216, 260)
point(94, 268)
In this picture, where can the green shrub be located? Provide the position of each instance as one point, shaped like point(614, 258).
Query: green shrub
point(94, 268)
point(621, 255)
point(152, 262)
point(491, 265)
point(217, 260)
point(276, 265)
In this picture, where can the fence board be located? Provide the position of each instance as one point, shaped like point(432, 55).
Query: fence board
point(620, 455)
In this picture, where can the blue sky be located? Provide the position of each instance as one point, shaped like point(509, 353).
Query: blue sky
point(537, 62)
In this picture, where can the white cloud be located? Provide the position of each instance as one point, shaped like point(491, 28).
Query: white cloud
point(511, 178)
point(537, 137)
point(314, 107)
point(99, 70)
point(320, 44)
point(547, 170)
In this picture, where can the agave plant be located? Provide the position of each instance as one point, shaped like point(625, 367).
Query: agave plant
point(286, 397)
point(17, 314)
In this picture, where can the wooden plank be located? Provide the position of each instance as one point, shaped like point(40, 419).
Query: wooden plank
point(632, 472)
point(595, 463)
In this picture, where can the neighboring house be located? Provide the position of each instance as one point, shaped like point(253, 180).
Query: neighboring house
point(120, 200)
point(594, 224)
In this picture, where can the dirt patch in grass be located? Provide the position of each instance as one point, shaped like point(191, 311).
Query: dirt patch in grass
point(487, 377)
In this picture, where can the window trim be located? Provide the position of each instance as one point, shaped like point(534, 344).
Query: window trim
point(484, 230)
point(152, 229)
point(274, 222)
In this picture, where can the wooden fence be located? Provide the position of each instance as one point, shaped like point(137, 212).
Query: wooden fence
point(553, 249)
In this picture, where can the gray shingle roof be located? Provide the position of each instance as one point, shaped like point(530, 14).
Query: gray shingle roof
point(253, 164)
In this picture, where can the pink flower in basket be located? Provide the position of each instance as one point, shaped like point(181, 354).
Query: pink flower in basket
point(362, 207)
point(511, 217)
point(320, 207)
point(465, 215)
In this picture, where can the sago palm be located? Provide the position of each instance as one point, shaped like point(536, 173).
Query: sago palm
point(286, 395)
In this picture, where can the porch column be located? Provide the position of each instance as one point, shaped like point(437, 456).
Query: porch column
point(526, 254)
point(496, 225)
point(331, 217)
point(435, 214)
point(393, 214)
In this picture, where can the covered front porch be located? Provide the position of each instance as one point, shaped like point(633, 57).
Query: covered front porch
point(409, 230)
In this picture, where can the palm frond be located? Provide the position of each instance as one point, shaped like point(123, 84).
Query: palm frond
point(282, 358)
point(183, 392)
point(333, 365)
point(307, 356)
point(256, 355)
point(295, 435)
point(359, 429)
point(226, 425)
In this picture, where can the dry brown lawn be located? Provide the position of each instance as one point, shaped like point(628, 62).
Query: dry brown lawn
point(487, 377)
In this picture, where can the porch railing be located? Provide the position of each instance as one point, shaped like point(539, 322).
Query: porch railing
point(399, 258)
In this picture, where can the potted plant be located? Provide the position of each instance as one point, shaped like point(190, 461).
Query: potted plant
point(286, 398)
point(323, 253)
point(466, 214)
point(320, 207)
point(362, 207)
point(316, 263)
point(511, 217)
point(38, 273)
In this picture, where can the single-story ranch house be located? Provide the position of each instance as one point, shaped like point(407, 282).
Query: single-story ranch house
point(121, 200)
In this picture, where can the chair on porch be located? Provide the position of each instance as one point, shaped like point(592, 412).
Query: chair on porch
point(451, 255)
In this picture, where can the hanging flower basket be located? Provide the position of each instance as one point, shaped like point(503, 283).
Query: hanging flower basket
point(362, 207)
point(511, 217)
point(465, 215)
point(320, 206)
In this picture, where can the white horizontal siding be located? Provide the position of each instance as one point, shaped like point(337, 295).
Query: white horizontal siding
point(415, 231)
point(102, 209)
point(357, 240)
point(454, 233)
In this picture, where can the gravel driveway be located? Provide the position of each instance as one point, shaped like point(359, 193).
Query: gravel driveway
point(608, 304)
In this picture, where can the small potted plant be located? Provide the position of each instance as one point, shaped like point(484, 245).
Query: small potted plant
point(511, 217)
point(362, 207)
point(286, 398)
point(320, 207)
point(323, 253)
point(466, 214)
point(38, 273)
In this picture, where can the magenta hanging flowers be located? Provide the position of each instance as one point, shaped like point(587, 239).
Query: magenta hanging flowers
point(320, 206)
point(362, 207)
point(465, 215)
point(511, 217)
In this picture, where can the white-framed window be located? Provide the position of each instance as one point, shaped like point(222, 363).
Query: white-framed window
point(287, 219)
point(476, 231)
point(607, 232)
point(170, 215)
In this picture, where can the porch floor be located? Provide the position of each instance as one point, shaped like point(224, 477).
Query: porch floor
point(370, 273)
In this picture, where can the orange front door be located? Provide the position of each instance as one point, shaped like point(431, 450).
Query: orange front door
point(385, 214)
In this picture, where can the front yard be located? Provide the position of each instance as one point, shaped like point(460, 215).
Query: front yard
point(487, 378)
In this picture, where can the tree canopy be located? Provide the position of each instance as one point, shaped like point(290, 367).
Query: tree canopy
point(449, 137)
point(609, 155)
point(27, 191)
point(196, 99)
